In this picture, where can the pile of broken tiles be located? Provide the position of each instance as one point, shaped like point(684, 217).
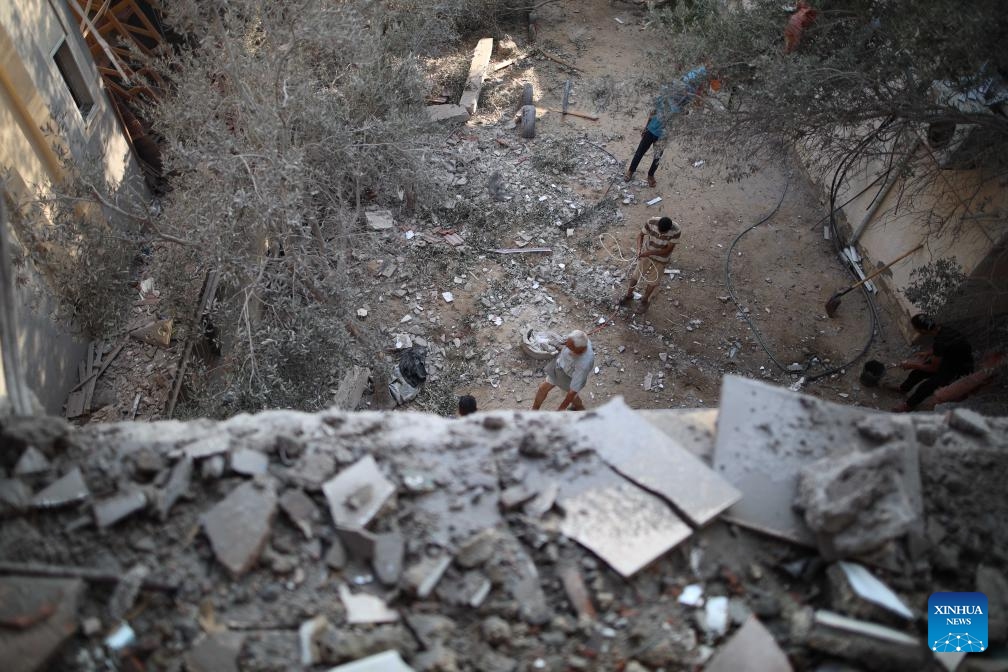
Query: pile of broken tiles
point(415, 542)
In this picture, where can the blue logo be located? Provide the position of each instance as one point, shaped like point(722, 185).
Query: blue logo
point(957, 622)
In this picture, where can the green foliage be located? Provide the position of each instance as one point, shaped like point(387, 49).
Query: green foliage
point(935, 285)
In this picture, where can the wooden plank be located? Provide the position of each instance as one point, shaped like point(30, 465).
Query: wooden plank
point(210, 283)
point(100, 371)
point(93, 368)
point(477, 72)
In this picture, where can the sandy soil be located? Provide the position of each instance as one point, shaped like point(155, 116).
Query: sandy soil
point(783, 271)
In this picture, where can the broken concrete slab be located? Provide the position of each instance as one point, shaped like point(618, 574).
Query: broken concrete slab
point(624, 525)
point(477, 549)
point(69, 489)
point(359, 543)
point(516, 495)
point(248, 462)
point(477, 71)
point(379, 220)
point(29, 649)
point(312, 470)
point(365, 608)
point(539, 505)
point(301, 510)
point(447, 113)
point(422, 578)
point(655, 461)
point(110, 511)
point(390, 661)
point(217, 652)
point(177, 486)
point(855, 502)
point(239, 525)
point(577, 592)
point(852, 585)
point(389, 550)
point(32, 462)
point(767, 434)
point(357, 493)
point(752, 647)
point(874, 646)
point(308, 634)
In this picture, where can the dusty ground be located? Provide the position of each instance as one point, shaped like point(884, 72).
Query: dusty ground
point(782, 272)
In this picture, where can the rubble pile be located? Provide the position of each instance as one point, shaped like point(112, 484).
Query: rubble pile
point(503, 541)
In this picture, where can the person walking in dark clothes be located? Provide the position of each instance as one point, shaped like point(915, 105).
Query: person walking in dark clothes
point(950, 358)
point(667, 105)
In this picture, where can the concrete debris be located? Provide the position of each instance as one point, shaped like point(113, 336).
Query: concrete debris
point(69, 489)
point(31, 462)
point(308, 635)
point(360, 543)
point(312, 470)
point(249, 462)
point(852, 586)
point(239, 525)
point(616, 433)
point(516, 495)
point(177, 486)
point(751, 648)
point(352, 385)
point(301, 510)
point(217, 652)
point(110, 511)
point(126, 592)
point(14, 495)
point(715, 620)
point(336, 556)
point(45, 614)
point(626, 526)
point(692, 595)
point(214, 444)
point(856, 502)
point(357, 493)
point(157, 333)
point(422, 578)
point(387, 562)
point(212, 468)
point(364, 608)
point(541, 504)
point(379, 220)
point(577, 592)
point(969, 422)
point(123, 637)
point(477, 549)
point(477, 71)
point(338, 645)
point(390, 661)
point(874, 646)
point(447, 113)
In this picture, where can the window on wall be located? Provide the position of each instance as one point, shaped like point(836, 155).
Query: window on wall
point(73, 78)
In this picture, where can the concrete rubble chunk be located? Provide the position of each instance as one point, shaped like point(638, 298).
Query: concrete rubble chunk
point(110, 511)
point(389, 550)
point(390, 661)
point(430, 629)
point(969, 422)
point(874, 646)
point(207, 446)
point(217, 652)
point(540, 505)
point(308, 634)
point(852, 585)
point(336, 556)
point(24, 603)
point(577, 592)
point(477, 549)
point(176, 487)
point(752, 647)
point(357, 493)
point(447, 113)
point(313, 469)
point(32, 461)
point(239, 525)
point(69, 489)
point(856, 502)
point(715, 616)
point(624, 525)
point(249, 462)
point(666, 468)
point(516, 495)
point(30, 648)
point(301, 510)
point(379, 220)
point(351, 387)
point(14, 495)
point(359, 543)
point(364, 608)
point(422, 578)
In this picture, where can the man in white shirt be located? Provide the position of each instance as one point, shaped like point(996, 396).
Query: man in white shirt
point(568, 371)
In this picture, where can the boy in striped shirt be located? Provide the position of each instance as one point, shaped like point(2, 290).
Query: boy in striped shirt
point(655, 242)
